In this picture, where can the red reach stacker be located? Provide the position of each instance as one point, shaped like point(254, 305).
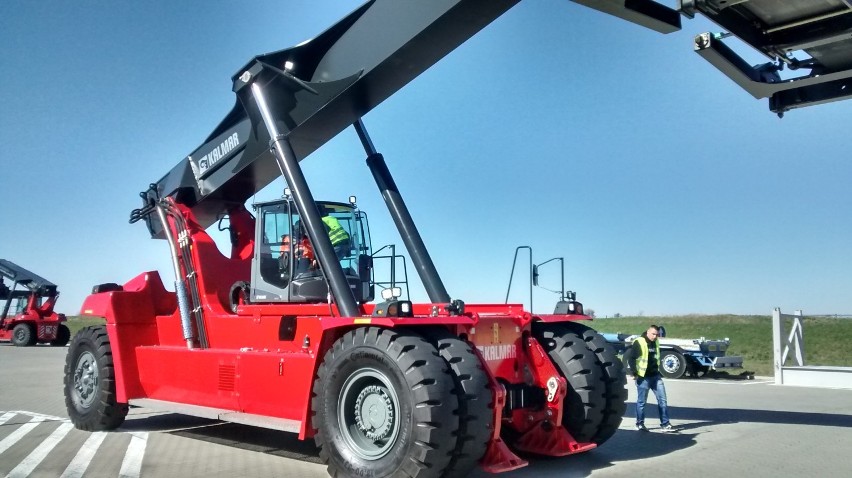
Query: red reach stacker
point(284, 333)
point(27, 316)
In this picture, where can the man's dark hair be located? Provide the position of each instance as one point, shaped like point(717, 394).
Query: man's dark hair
point(655, 327)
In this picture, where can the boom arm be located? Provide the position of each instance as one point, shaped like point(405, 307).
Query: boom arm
point(328, 83)
point(32, 281)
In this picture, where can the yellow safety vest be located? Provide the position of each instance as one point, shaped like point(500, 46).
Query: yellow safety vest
point(642, 360)
point(335, 231)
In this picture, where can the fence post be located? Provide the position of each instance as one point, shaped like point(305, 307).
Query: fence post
point(777, 348)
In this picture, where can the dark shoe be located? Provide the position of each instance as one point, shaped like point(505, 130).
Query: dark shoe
point(640, 427)
point(668, 428)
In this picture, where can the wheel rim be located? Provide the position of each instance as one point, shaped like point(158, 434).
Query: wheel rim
point(368, 413)
point(20, 335)
point(85, 381)
point(671, 363)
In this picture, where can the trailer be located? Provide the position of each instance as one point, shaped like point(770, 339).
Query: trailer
point(272, 336)
point(678, 357)
point(27, 316)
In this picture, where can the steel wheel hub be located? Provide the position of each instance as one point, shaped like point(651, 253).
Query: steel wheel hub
point(374, 412)
point(368, 414)
point(85, 380)
point(671, 363)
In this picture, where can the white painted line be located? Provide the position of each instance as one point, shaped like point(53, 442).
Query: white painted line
point(16, 435)
point(87, 452)
point(724, 382)
point(40, 415)
point(32, 460)
point(131, 467)
point(6, 417)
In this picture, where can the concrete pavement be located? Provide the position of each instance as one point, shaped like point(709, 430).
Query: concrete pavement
point(728, 428)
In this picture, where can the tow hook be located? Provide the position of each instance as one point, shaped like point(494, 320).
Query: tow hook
point(552, 387)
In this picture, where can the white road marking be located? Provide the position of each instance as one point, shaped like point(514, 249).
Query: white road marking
point(731, 382)
point(40, 415)
point(32, 460)
point(16, 435)
point(81, 461)
point(6, 417)
point(131, 467)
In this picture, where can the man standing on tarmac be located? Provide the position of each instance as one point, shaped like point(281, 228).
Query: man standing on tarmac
point(643, 360)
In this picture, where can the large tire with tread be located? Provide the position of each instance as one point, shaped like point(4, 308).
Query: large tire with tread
point(615, 390)
point(90, 382)
point(584, 404)
point(24, 335)
point(383, 406)
point(672, 364)
point(476, 406)
point(63, 335)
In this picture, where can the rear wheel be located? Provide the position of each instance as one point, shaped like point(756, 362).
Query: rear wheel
point(90, 382)
point(672, 364)
point(383, 405)
point(23, 335)
point(63, 335)
point(584, 404)
point(615, 391)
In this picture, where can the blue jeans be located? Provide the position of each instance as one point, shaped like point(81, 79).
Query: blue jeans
point(655, 383)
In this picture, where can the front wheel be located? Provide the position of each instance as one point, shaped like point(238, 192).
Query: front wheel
point(23, 335)
point(90, 382)
point(384, 405)
point(672, 364)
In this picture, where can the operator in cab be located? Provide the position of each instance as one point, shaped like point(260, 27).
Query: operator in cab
point(337, 234)
point(303, 253)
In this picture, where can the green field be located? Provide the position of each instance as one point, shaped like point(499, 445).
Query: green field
point(751, 336)
point(76, 323)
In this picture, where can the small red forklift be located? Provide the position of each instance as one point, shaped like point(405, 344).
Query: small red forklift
point(27, 316)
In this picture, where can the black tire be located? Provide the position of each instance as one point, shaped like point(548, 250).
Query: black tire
point(476, 406)
point(63, 335)
point(90, 382)
point(584, 404)
point(615, 390)
point(696, 370)
point(672, 364)
point(23, 335)
point(413, 419)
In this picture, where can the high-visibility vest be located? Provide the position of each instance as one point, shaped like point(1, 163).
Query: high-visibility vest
point(336, 233)
point(642, 360)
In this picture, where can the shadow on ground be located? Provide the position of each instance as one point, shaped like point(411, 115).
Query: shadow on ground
point(625, 445)
point(262, 440)
point(715, 416)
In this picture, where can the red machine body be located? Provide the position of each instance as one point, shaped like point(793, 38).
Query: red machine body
point(261, 362)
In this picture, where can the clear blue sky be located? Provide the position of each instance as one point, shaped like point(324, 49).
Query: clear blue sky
point(666, 188)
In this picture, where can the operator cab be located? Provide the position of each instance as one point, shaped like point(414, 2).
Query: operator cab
point(286, 268)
